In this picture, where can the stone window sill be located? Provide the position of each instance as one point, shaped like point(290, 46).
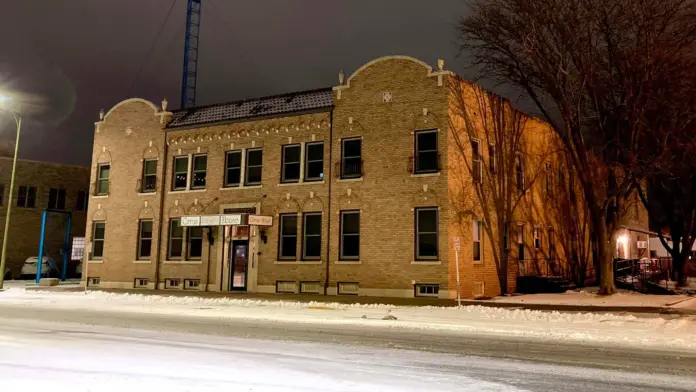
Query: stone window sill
point(426, 175)
point(427, 262)
point(182, 262)
point(302, 183)
point(350, 179)
point(187, 191)
point(142, 262)
point(297, 262)
point(348, 262)
point(241, 187)
point(99, 261)
point(100, 196)
point(147, 193)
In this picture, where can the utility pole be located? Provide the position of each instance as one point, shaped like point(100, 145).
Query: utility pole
point(18, 120)
point(188, 78)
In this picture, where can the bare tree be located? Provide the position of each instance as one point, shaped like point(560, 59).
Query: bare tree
point(591, 68)
point(500, 156)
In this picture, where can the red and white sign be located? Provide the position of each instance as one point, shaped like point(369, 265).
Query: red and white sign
point(260, 220)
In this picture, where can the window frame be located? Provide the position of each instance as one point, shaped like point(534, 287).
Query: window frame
point(345, 176)
point(476, 170)
point(418, 292)
point(520, 242)
point(247, 166)
point(195, 171)
point(417, 152)
point(536, 233)
point(418, 234)
point(95, 239)
point(139, 254)
point(99, 191)
point(2, 194)
point(281, 236)
point(226, 180)
point(170, 238)
point(59, 195)
point(519, 171)
point(185, 173)
point(305, 235)
point(189, 237)
point(283, 164)
point(341, 234)
point(82, 207)
point(307, 161)
point(144, 176)
point(28, 196)
point(477, 232)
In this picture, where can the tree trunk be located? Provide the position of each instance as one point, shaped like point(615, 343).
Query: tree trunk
point(605, 256)
point(679, 268)
point(503, 273)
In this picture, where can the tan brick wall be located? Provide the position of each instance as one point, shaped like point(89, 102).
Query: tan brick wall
point(25, 223)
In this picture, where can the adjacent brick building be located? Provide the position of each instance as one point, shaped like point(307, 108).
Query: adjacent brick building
point(40, 186)
point(358, 179)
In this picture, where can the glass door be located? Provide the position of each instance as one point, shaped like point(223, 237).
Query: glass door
point(240, 262)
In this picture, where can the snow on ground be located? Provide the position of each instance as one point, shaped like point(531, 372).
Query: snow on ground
point(628, 330)
point(589, 297)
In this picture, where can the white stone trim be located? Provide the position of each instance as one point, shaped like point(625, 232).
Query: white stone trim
point(100, 196)
point(359, 179)
point(233, 188)
point(147, 193)
point(192, 262)
point(348, 262)
point(154, 107)
point(322, 182)
point(437, 174)
point(101, 261)
point(142, 261)
point(187, 191)
point(426, 262)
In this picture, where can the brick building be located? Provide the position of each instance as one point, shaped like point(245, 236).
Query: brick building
point(40, 186)
point(357, 178)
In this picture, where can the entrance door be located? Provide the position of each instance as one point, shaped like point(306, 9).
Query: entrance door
point(240, 262)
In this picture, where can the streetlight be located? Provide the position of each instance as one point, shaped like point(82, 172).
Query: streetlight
point(18, 119)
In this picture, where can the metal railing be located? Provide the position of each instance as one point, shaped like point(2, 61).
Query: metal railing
point(144, 186)
point(414, 166)
point(543, 268)
point(345, 170)
point(642, 274)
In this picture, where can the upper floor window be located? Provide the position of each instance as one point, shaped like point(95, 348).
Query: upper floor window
point(149, 181)
point(254, 166)
point(81, 202)
point(520, 242)
point(176, 239)
point(56, 199)
point(477, 239)
point(199, 171)
point(426, 159)
point(351, 158)
point(103, 174)
point(290, 170)
point(426, 233)
point(491, 158)
point(537, 237)
point(233, 168)
point(180, 173)
point(26, 197)
point(314, 161)
point(350, 235)
point(98, 234)
point(287, 238)
point(519, 172)
point(2, 194)
point(311, 241)
point(476, 164)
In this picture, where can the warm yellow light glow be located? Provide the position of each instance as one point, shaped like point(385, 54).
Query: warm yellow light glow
point(623, 239)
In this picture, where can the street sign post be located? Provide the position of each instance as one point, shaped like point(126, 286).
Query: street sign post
point(457, 246)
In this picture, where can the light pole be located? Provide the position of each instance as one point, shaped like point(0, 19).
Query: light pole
point(18, 119)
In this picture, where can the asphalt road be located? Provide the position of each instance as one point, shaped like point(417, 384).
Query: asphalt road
point(188, 353)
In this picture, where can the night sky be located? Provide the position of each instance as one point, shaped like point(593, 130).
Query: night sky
point(71, 58)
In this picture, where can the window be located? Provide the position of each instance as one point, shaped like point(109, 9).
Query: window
point(180, 173)
point(491, 158)
point(56, 199)
point(427, 290)
point(477, 173)
point(350, 235)
point(552, 246)
point(141, 283)
point(103, 174)
point(426, 152)
point(233, 168)
point(314, 161)
point(171, 283)
point(537, 237)
point(311, 242)
point(520, 242)
point(519, 172)
point(149, 182)
point(426, 233)
point(287, 248)
point(192, 284)
point(199, 171)
point(176, 239)
point(98, 232)
point(26, 197)
point(310, 287)
point(254, 164)
point(547, 182)
point(290, 170)
point(286, 286)
point(2, 194)
point(478, 226)
point(348, 288)
point(351, 158)
point(81, 203)
point(195, 243)
point(144, 239)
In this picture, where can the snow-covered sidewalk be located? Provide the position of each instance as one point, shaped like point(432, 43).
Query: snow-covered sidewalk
point(589, 298)
point(628, 330)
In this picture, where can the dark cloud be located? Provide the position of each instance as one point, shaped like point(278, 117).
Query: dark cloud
point(72, 58)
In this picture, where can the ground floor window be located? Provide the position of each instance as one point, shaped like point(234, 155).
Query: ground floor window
point(287, 239)
point(350, 235)
point(98, 235)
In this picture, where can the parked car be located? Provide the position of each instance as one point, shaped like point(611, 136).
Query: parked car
point(49, 268)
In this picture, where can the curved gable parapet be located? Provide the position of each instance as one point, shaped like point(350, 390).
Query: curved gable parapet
point(428, 68)
point(155, 109)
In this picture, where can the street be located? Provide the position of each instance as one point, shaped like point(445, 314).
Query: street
point(93, 350)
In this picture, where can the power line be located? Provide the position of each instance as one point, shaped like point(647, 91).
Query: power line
point(152, 46)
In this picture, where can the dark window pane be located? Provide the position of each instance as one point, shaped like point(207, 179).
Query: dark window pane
point(181, 165)
point(234, 159)
point(99, 229)
point(291, 172)
point(150, 167)
point(351, 223)
point(199, 180)
point(291, 154)
point(426, 141)
point(427, 221)
point(312, 224)
point(315, 152)
point(180, 181)
point(22, 196)
point(52, 198)
point(104, 171)
point(350, 245)
point(175, 248)
point(149, 183)
point(351, 148)
point(313, 246)
point(176, 229)
point(254, 175)
point(289, 247)
point(315, 170)
point(426, 161)
point(61, 199)
point(427, 245)
point(254, 157)
point(146, 229)
point(200, 162)
point(233, 176)
point(145, 248)
point(477, 251)
point(80, 203)
point(31, 197)
point(97, 248)
point(289, 225)
point(195, 248)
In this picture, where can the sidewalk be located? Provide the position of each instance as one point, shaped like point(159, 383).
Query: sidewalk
point(571, 301)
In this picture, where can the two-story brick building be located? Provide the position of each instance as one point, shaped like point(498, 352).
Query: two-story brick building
point(356, 177)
